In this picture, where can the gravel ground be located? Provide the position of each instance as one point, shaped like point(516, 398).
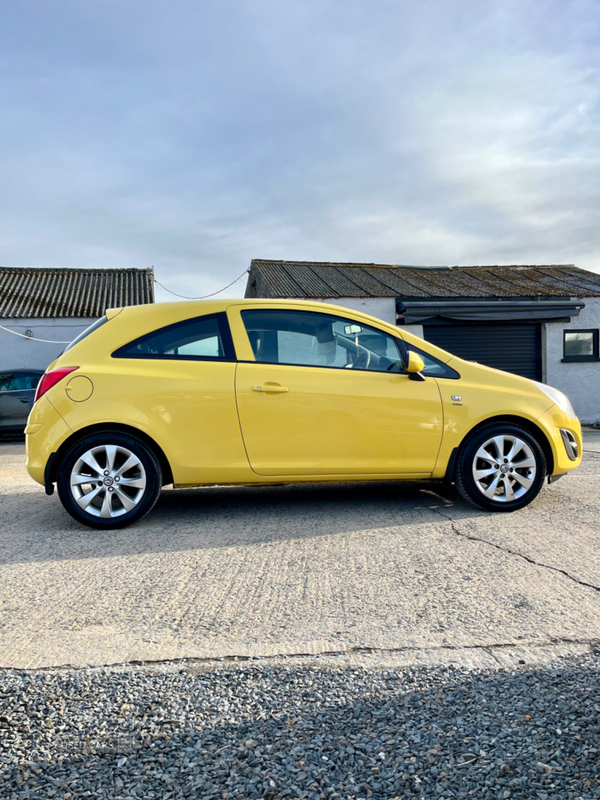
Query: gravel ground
point(276, 731)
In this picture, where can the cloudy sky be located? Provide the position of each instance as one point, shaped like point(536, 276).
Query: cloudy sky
point(194, 135)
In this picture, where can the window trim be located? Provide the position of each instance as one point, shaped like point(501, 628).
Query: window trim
point(320, 366)
point(224, 330)
point(396, 339)
point(579, 359)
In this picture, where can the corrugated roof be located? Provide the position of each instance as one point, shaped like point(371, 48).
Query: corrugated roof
point(61, 292)
point(324, 279)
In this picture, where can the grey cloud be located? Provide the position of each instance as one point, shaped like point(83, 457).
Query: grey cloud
point(194, 136)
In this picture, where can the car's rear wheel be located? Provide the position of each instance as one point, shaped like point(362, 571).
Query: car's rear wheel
point(109, 480)
point(501, 467)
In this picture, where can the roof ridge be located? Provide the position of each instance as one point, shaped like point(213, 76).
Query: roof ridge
point(77, 270)
point(362, 264)
point(516, 266)
point(283, 262)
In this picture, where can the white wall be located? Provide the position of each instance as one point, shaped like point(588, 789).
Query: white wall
point(381, 307)
point(416, 330)
point(18, 353)
point(580, 381)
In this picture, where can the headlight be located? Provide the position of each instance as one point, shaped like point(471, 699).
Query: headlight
point(561, 400)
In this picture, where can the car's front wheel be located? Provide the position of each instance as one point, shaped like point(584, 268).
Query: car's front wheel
point(109, 480)
point(500, 468)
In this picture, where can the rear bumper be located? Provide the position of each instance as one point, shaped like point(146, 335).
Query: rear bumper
point(46, 430)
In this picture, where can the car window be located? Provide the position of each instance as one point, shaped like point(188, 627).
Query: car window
point(5, 381)
point(197, 339)
point(24, 380)
point(307, 338)
point(433, 367)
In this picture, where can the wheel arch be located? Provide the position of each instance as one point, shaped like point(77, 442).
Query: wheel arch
point(535, 430)
point(56, 458)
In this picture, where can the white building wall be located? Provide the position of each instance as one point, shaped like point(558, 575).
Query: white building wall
point(416, 330)
point(19, 353)
point(381, 307)
point(579, 380)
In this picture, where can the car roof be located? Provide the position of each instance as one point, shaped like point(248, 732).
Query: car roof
point(202, 307)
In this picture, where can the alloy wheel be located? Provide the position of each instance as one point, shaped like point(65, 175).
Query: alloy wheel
point(108, 481)
point(504, 468)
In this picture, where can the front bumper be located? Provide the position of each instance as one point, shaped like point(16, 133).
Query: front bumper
point(570, 443)
point(554, 422)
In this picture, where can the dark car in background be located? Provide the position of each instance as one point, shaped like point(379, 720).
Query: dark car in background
point(17, 393)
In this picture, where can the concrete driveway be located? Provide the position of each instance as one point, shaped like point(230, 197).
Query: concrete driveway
point(403, 569)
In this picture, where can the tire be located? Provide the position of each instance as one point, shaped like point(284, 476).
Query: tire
point(112, 497)
point(500, 481)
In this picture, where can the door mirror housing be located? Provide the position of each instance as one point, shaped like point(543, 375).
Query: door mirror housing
point(415, 366)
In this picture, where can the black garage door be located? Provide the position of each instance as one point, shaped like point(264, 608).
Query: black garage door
point(514, 347)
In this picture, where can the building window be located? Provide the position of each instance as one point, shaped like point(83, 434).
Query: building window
point(581, 345)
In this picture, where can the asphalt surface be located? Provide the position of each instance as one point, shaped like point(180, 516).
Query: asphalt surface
point(399, 573)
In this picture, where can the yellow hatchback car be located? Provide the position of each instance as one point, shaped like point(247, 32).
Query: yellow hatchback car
point(259, 391)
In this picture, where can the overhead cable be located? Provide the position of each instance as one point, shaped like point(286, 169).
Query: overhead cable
point(203, 297)
point(33, 338)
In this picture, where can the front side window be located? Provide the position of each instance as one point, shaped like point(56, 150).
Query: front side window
point(200, 339)
point(433, 367)
point(307, 338)
point(5, 379)
point(581, 345)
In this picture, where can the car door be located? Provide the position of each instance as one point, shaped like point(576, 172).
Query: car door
point(327, 395)
point(22, 388)
point(16, 399)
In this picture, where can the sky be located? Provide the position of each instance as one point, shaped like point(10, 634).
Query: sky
point(193, 136)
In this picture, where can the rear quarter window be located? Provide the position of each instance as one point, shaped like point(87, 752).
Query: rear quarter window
point(204, 338)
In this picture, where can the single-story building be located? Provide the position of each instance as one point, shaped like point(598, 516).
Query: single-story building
point(57, 304)
point(541, 322)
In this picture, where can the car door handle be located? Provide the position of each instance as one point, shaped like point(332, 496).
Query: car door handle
point(270, 388)
point(24, 400)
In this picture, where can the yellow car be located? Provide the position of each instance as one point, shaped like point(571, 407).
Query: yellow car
point(269, 391)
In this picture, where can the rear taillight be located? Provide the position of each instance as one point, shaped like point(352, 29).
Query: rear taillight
point(48, 379)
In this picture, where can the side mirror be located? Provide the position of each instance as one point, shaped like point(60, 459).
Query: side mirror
point(415, 366)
